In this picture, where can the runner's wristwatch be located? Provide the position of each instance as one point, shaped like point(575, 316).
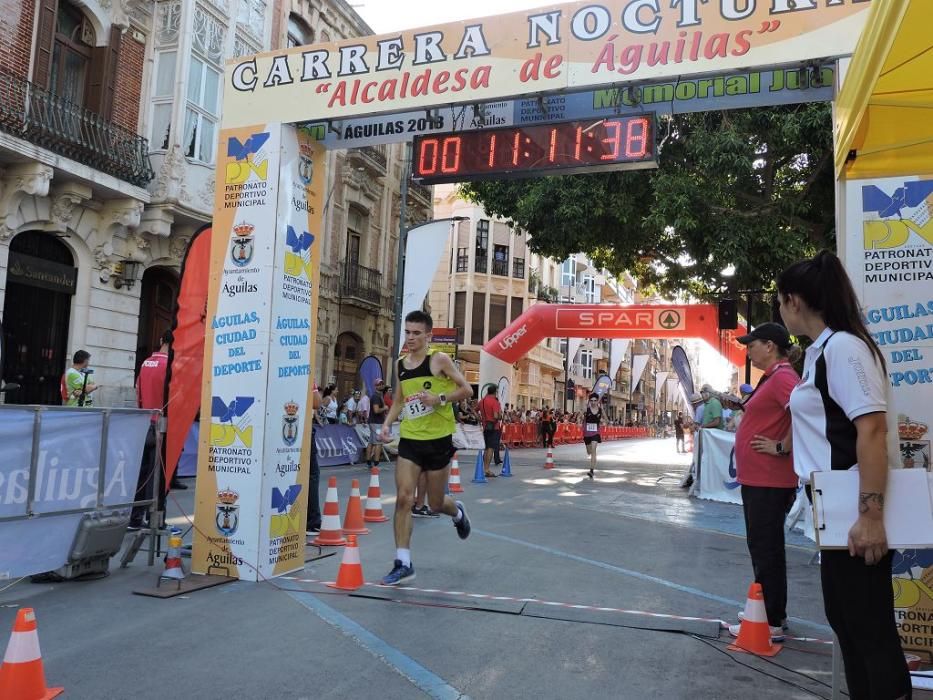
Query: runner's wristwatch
point(779, 447)
point(443, 398)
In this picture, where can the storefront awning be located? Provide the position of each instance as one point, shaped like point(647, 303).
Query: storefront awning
point(884, 111)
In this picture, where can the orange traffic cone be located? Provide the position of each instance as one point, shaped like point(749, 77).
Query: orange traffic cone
point(330, 535)
point(549, 460)
point(350, 574)
point(755, 633)
point(174, 571)
point(353, 519)
point(453, 482)
point(21, 674)
point(373, 512)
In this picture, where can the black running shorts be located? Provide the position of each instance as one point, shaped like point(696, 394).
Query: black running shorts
point(587, 439)
point(430, 455)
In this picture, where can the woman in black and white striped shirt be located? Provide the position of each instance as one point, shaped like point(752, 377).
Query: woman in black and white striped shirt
point(838, 422)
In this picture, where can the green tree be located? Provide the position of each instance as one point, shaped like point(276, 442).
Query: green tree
point(752, 189)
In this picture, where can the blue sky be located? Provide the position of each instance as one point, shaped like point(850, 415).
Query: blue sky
point(391, 15)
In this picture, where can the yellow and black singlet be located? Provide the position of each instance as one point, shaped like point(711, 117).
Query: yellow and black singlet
point(420, 422)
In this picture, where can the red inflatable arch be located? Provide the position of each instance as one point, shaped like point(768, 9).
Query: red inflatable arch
point(606, 321)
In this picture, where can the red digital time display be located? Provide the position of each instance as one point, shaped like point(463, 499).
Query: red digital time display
point(525, 151)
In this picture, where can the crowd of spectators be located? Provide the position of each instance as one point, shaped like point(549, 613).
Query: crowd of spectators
point(352, 410)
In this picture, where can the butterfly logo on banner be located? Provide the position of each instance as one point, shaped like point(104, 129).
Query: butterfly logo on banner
point(298, 253)
point(285, 518)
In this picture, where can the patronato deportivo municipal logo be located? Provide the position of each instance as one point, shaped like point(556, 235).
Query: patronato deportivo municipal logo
point(907, 210)
point(248, 159)
point(241, 248)
point(290, 423)
point(227, 517)
point(231, 423)
point(298, 253)
point(305, 164)
point(284, 520)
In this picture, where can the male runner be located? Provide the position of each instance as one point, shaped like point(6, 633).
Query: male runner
point(428, 385)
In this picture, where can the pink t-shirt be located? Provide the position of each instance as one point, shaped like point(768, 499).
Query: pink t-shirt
point(767, 413)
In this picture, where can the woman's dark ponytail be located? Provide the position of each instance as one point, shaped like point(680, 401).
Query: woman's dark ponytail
point(822, 283)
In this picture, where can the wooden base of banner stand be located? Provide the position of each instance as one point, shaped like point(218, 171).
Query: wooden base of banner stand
point(191, 583)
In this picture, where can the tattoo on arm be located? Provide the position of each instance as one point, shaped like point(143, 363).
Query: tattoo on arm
point(867, 500)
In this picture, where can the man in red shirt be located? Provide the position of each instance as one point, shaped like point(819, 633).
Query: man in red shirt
point(765, 469)
point(490, 411)
point(150, 393)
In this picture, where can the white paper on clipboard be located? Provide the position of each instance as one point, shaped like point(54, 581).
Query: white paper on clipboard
point(908, 508)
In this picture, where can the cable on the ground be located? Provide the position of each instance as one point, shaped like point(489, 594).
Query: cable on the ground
point(735, 659)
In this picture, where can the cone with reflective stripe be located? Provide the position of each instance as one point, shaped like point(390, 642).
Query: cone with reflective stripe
point(350, 574)
point(353, 519)
point(330, 535)
point(755, 633)
point(173, 567)
point(453, 482)
point(373, 512)
point(549, 460)
point(21, 674)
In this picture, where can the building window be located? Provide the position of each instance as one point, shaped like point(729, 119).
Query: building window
point(71, 54)
point(568, 274)
point(586, 363)
point(497, 315)
point(500, 260)
point(478, 325)
point(299, 34)
point(482, 237)
point(517, 308)
point(201, 111)
point(162, 93)
point(518, 268)
point(460, 314)
point(202, 107)
point(589, 289)
point(463, 260)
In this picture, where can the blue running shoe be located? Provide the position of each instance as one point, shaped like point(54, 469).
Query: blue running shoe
point(399, 574)
point(463, 525)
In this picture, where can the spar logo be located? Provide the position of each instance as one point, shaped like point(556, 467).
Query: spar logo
point(248, 159)
point(508, 342)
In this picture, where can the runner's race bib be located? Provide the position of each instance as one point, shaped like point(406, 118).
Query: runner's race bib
point(592, 427)
point(415, 409)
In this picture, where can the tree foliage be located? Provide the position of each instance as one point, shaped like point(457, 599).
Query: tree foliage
point(752, 189)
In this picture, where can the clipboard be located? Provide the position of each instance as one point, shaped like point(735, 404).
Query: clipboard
point(908, 508)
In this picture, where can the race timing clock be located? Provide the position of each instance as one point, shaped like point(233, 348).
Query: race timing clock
point(525, 151)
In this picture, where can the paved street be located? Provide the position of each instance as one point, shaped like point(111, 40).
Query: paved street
point(628, 540)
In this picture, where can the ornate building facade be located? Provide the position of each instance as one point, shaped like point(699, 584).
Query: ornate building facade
point(109, 118)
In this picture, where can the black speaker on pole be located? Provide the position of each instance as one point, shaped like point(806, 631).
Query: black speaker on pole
point(728, 315)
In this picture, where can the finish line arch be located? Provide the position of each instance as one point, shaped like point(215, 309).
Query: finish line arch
point(271, 193)
point(635, 321)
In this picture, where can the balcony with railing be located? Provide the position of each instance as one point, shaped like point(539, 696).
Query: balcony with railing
point(518, 268)
point(51, 122)
point(481, 264)
point(423, 194)
point(358, 282)
point(373, 158)
point(500, 267)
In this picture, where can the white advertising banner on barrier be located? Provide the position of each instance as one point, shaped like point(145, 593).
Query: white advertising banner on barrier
point(67, 478)
point(714, 459)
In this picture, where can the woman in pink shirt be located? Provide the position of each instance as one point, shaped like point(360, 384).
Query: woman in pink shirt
point(765, 469)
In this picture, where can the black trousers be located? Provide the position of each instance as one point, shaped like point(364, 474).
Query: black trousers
point(313, 519)
point(859, 602)
point(765, 510)
point(144, 482)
